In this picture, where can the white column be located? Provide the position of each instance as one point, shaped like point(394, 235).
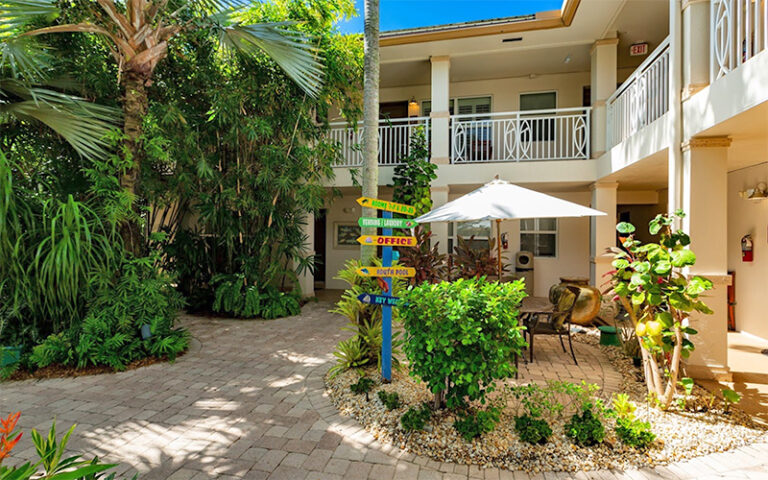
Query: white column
point(602, 231)
point(675, 113)
point(307, 279)
point(705, 202)
point(440, 229)
point(603, 84)
point(695, 46)
point(440, 115)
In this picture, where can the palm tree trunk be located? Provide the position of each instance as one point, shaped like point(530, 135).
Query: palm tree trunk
point(370, 118)
point(134, 110)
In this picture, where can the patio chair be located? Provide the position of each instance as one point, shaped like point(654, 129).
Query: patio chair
point(557, 322)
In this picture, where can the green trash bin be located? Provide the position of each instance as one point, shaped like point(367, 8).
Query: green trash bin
point(608, 336)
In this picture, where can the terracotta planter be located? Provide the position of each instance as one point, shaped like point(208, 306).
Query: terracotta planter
point(587, 305)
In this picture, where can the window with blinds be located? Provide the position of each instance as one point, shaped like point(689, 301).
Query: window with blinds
point(543, 130)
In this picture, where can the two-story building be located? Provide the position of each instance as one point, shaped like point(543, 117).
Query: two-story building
point(631, 107)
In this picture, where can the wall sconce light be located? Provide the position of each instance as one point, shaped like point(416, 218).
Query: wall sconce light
point(760, 192)
point(413, 108)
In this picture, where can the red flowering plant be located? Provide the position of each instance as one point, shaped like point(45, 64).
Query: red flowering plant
point(659, 297)
point(8, 438)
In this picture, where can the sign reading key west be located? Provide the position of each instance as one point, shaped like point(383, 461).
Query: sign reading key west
point(386, 241)
point(386, 222)
point(385, 205)
point(372, 299)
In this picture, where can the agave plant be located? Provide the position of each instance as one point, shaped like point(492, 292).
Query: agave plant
point(137, 33)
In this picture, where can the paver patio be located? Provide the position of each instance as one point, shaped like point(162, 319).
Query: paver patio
point(248, 401)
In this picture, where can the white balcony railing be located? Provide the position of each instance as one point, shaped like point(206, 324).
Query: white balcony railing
point(558, 134)
point(394, 140)
point(739, 31)
point(640, 100)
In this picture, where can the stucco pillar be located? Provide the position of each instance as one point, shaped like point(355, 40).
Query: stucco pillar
point(695, 46)
point(603, 84)
point(440, 115)
point(705, 202)
point(440, 229)
point(307, 279)
point(602, 231)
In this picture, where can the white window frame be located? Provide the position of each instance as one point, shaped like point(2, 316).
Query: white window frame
point(453, 235)
point(454, 102)
point(538, 231)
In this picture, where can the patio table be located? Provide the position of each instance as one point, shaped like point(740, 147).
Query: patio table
point(530, 309)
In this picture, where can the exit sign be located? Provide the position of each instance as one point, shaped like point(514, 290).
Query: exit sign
point(638, 49)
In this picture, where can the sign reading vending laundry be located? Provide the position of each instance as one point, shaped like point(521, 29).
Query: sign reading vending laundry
point(386, 222)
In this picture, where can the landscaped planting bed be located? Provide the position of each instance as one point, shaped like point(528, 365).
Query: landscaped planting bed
point(703, 427)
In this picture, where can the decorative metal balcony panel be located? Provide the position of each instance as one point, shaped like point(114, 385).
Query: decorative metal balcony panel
point(394, 140)
point(739, 31)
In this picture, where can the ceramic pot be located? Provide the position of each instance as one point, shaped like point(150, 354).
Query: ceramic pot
point(587, 305)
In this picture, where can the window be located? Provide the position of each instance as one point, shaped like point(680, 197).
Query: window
point(542, 129)
point(481, 229)
point(461, 105)
point(539, 235)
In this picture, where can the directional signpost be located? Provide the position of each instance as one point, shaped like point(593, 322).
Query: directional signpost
point(386, 271)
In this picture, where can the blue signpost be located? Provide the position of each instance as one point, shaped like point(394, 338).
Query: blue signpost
point(386, 300)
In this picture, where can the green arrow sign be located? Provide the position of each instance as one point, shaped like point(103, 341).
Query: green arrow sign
point(386, 222)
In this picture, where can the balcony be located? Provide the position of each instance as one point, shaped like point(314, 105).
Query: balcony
point(557, 134)
point(641, 99)
point(739, 30)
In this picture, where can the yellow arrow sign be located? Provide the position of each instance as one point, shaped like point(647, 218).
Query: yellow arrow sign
point(385, 205)
point(386, 271)
point(386, 241)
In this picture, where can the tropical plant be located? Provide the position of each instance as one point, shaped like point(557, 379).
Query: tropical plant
point(416, 418)
point(414, 175)
point(659, 299)
point(363, 386)
point(138, 35)
point(460, 337)
point(532, 429)
point(430, 265)
point(350, 354)
point(350, 306)
point(236, 297)
point(730, 397)
point(473, 424)
point(586, 428)
point(391, 400)
point(470, 262)
point(52, 464)
point(370, 118)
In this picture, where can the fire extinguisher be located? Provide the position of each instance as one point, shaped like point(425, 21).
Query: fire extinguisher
point(746, 248)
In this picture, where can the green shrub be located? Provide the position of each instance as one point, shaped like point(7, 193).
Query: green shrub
point(532, 430)
point(623, 407)
point(472, 425)
point(634, 433)
point(416, 418)
point(466, 332)
point(363, 385)
point(235, 296)
point(110, 334)
point(389, 400)
point(585, 428)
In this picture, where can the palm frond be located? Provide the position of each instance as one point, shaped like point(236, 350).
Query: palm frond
point(83, 124)
point(16, 13)
point(289, 49)
point(24, 57)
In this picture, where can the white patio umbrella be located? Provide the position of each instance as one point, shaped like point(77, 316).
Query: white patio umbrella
point(500, 200)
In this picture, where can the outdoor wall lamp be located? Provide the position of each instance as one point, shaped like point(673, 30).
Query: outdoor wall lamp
point(413, 108)
point(760, 192)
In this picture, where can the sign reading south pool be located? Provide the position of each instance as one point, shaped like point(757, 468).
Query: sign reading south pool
point(385, 205)
point(386, 271)
point(373, 299)
point(386, 222)
point(386, 241)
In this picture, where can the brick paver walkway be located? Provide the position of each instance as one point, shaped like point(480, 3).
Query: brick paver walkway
point(248, 402)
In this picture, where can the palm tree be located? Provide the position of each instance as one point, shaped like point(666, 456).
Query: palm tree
point(370, 118)
point(24, 96)
point(137, 33)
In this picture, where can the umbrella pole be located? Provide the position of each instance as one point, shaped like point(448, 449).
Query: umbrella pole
point(498, 246)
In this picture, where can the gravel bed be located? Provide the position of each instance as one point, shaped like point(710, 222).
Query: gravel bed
point(703, 428)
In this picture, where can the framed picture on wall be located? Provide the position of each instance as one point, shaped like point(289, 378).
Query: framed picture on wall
point(345, 235)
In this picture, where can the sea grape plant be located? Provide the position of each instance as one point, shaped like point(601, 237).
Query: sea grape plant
point(648, 280)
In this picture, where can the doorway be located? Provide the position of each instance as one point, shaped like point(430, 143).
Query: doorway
point(320, 250)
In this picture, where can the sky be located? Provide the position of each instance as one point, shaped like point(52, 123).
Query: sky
point(398, 14)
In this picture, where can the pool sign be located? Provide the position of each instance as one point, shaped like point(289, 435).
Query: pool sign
point(386, 241)
point(372, 299)
point(386, 222)
point(385, 205)
point(406, 272)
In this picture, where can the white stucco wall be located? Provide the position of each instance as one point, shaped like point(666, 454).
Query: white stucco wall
point(749, 217)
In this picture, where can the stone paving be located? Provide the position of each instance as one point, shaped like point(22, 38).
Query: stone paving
point(248, 402)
